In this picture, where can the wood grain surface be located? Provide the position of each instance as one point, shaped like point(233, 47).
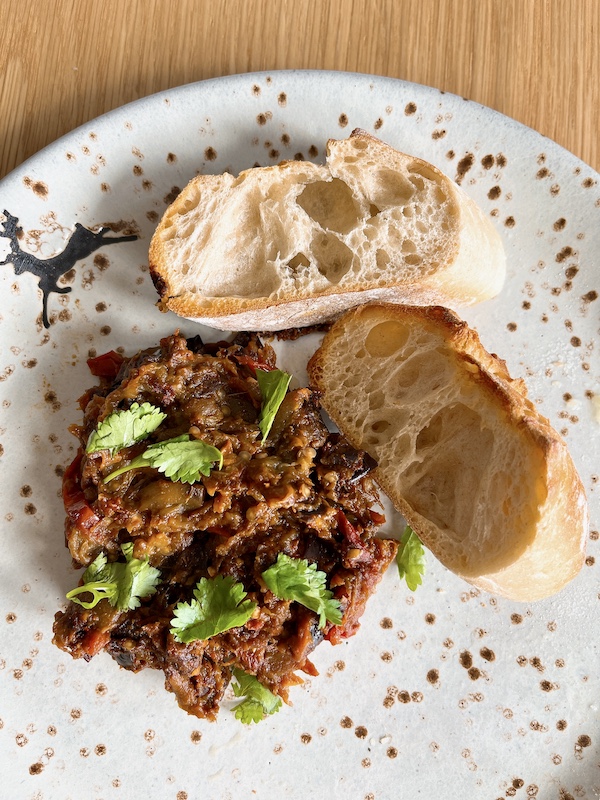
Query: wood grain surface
point(64, 62)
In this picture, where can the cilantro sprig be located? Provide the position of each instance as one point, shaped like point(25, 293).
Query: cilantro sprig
point(122, 584)
point(410, 559)
point(296, 579)
point(124, 428)
point(258, 701)
point(180, 459)
point(218, 605)
point(273, 385)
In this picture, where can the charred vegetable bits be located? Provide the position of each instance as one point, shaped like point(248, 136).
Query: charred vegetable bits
point(224, 531)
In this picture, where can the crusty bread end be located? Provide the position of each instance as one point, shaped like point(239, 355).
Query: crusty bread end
point(477, 472)
point(298, 243)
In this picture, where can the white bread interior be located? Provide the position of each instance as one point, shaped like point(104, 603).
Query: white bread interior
point(478, 473)
point(299, 243)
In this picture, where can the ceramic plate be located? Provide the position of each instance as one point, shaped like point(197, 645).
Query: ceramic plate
point(445, 692)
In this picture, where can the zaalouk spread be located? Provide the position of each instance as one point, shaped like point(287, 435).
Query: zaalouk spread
point(299, 492)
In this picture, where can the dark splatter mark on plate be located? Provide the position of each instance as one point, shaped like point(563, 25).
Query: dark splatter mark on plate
point(82, 243)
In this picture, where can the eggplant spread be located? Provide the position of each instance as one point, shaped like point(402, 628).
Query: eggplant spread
point(299, 491)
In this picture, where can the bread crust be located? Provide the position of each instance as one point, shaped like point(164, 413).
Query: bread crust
point(542, 516)
point(298, 243)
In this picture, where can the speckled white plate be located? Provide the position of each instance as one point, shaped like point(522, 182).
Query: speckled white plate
point(447, 692)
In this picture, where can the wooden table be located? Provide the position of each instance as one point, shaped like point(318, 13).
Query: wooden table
point(64, 62)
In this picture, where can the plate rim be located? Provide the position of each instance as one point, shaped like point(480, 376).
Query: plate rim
point(236, 78)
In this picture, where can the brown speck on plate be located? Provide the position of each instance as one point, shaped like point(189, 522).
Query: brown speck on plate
point(171, 195)
point(463, 166)
point(263, 118)
point(466, 659)
point(433, 676)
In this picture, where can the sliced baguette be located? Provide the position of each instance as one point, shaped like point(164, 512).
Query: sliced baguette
point(477, 472)
point(298, 243)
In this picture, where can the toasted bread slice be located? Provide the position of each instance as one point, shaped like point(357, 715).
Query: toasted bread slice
point(477, 472)
point(298, 243)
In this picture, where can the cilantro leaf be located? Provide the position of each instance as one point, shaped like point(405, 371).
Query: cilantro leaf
point(411, 559)
point(296, 579)
point(137, 579)
point(180, 459)
point(259, 701)
point(122, 584)
point(217, 606)
point(99, 580)
point(273, 385)
point(183, 459)
point(124, 428)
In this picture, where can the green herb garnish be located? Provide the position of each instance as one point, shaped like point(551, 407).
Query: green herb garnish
point(296, 579)
point(259, 701)
point(411, 559)
point(273, 385)
point(180, 459)
point(218, 604)
point(124, 428)
point(122, 584)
